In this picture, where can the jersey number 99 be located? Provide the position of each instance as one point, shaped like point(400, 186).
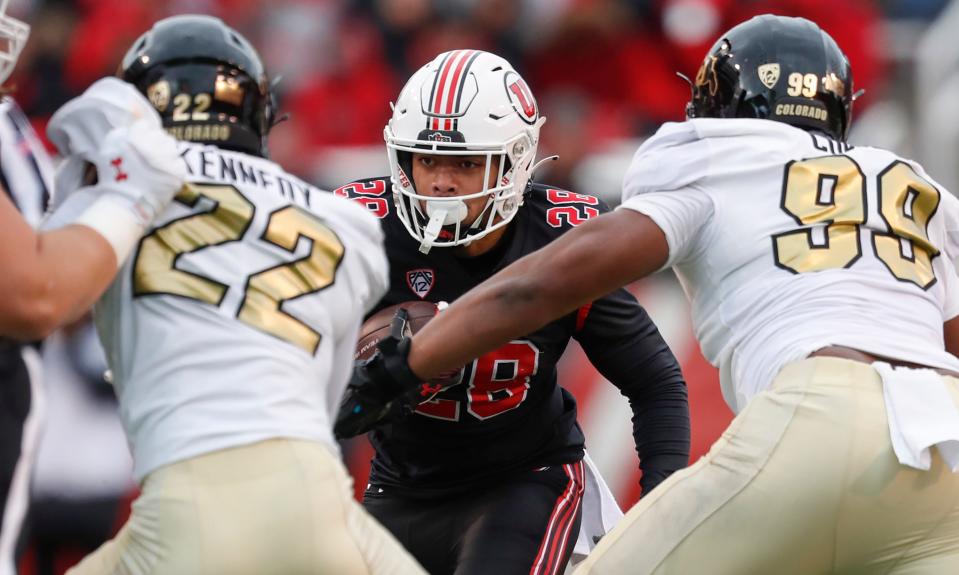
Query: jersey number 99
point(831, 190)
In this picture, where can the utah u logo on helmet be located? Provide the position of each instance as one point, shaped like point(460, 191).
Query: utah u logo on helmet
point(522, 98)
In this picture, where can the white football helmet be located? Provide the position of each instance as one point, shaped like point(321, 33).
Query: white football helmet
point(464, 102)
point(13, 37)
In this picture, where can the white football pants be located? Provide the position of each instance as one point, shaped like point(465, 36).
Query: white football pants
point(804, 481)
point(280, 507)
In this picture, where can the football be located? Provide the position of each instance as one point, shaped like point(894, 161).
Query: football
point(377, 326)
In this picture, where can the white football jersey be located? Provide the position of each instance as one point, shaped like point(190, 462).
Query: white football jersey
point(236, 318)
point(787, 241)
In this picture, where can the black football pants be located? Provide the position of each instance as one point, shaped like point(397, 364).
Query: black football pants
point(16, 447)
point(525, 525)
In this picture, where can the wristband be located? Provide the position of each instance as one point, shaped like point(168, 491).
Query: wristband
point(118, 220)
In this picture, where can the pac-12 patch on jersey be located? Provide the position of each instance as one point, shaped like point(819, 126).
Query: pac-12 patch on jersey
point(420, 281)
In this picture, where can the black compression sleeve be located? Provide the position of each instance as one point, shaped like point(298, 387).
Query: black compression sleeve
point(626, 347)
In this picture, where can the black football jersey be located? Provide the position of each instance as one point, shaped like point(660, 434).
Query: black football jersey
point(508, 413)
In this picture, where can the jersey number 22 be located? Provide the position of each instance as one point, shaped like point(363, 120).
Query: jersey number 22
point(155, 271)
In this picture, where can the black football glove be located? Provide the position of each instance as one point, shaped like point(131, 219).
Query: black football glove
point(377, 382)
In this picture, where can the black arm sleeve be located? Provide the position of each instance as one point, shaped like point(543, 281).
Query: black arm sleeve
point(625, 346)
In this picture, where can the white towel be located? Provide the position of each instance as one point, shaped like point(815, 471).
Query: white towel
point(921, 415)
point(600, 512)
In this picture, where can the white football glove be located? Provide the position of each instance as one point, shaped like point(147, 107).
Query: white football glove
point(139, 170)
point(79, 127)
point(141, 166)
point(81, 124)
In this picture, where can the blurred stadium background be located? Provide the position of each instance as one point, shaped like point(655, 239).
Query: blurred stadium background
point(604, 74)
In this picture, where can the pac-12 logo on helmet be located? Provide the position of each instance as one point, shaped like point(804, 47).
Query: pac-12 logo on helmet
point(522, 98)
point(768, 74)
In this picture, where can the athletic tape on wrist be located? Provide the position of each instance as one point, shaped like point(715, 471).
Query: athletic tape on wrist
point(118, 220)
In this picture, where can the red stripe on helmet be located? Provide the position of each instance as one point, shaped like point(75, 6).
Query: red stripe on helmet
point(441, 86)
point(432, 122)
point(455, 85)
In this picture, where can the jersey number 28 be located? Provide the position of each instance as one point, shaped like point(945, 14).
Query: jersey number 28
point(155, 271)
point(497, 382)
point(831, 190)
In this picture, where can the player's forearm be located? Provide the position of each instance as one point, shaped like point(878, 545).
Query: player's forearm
point(581, 266)
point(626, 347)
point(661, 429)
point(62, 274)
point(504, 307)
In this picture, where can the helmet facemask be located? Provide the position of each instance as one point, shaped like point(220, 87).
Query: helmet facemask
point(491, 124)
point(13, 37)
point(440, 221)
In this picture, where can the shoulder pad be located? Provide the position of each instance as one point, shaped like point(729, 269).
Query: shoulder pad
point(671, 159)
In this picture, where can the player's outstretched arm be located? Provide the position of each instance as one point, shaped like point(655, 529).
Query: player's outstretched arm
point(53, 277)
point(582, 265)
point(48, 278)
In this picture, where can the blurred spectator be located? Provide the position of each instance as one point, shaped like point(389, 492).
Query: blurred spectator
point(104, 31)
point(398, 21)
point(918, 9)
point(39, 77)
point(342, 103)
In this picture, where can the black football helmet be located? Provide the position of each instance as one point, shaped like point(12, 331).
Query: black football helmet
point(776, 68)
point(206, 81)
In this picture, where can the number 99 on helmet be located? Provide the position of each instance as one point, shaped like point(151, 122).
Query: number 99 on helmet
point(777, 68)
